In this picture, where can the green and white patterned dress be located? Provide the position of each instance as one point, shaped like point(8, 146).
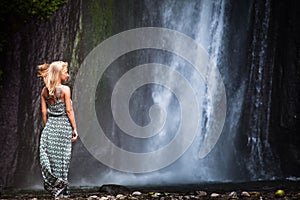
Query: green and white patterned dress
point(55, 148)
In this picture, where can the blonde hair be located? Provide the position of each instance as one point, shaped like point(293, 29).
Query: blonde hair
point(54, 74)
point(43, 71)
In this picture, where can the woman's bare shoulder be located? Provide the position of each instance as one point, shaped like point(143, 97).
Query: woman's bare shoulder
point(65, 88)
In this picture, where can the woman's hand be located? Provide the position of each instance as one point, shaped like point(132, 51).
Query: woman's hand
point(74, 135)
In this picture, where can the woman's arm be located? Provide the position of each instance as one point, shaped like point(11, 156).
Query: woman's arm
point(44, 106)
point(70, 112)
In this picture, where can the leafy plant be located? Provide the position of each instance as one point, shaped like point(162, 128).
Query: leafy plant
point(16, 13)
point(43, 9)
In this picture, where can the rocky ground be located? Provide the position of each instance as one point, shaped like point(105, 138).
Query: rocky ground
point(247, 191)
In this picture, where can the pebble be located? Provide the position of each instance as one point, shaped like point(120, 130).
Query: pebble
point(121, 196)
point(137, 193)
point(156, 194)
point(233, 195)
point(201, 193)
point(215, 195)
point(133, 198)
point(193, 195)
point(92, 197)
point(110, 197)
point(254, 193)
point(245, 194)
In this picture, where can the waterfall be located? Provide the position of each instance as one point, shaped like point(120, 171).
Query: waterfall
point(191, 165)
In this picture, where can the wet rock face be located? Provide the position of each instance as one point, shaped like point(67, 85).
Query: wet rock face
point(285, 119)
point(20, 118)
point(9, 107)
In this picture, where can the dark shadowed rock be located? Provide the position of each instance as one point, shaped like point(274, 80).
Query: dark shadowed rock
point(114, 189)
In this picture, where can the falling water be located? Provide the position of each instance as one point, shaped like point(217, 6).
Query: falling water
point(193, 19)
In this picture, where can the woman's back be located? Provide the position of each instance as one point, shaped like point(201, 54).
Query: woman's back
point(56, 105)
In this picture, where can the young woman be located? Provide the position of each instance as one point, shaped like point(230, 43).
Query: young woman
point(60, 127)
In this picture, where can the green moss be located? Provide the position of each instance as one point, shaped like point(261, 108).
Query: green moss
point(95, 25)
point(75, 63)
point(102, 15)
point(101, 20)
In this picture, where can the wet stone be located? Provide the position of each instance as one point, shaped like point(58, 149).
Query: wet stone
point(201, 193)
point(114, 189)
point(233, 195)
point(142, 194)
point(214, 195)
point(245, 194)
point(137, 193)
point(121, 196)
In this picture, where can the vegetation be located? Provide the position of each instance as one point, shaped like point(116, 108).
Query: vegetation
point(14, 14)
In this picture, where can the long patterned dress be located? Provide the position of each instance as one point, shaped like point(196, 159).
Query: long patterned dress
point(55, 148)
